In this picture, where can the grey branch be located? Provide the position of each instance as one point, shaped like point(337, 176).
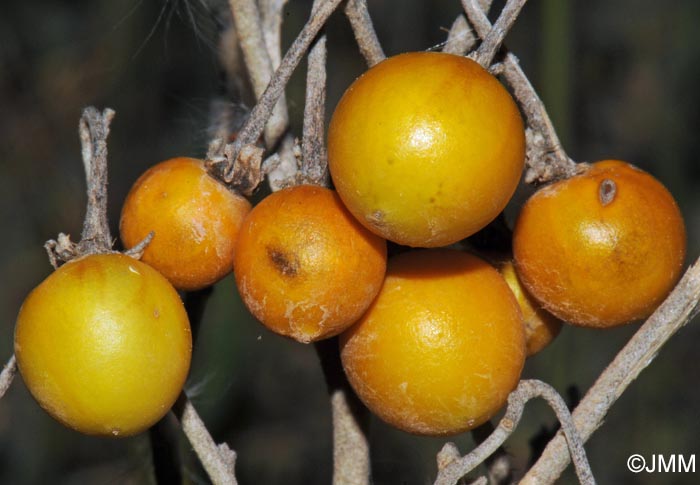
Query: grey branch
point(253, 127)
point(493, 40)
point(219, 461)
point(639, 352)
point(7, 375)
point(95, 237)
point(271, 16)
point(94, 130)
point(351, 465)
point(314, 161)
point(249, 28)
point(545, 157)
point(365, 35)
point(526, 390)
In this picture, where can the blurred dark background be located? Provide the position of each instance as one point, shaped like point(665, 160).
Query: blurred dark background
point(619, 78)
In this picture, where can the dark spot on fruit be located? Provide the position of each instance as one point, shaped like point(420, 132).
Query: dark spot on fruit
point(607, 191)
point(287, 266)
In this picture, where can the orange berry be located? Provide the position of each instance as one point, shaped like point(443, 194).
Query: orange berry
point(195, 218)
point(104, 345)
point(440, 348)
point(304, 266)
point(602, 248)
point(426, 148)
point(540, 326)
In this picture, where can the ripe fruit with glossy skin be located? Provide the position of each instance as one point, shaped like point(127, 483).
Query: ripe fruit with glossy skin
point(602, 248)
point(104, 345)
point(426, 148)
point(541, 327)
point(304, 266)
point(440, 348)
point(195, 219)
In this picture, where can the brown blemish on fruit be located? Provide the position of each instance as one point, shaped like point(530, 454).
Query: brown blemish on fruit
point(607, 191)
point(283, 263)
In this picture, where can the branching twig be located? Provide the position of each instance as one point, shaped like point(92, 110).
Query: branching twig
point(271, 17)
point(365, 35)
point(525, 391)
point(638, 353)
point(219, 461)
point(246, 16)
point(254, 125)
point(314, 162)
point(7, 375)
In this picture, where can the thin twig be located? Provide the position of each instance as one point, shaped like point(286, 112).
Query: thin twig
point(639, 352)
point(351, 463)
point(7, 375)
point(546, 159)
point(365, 35)
point(254, 125)
point(246, 16)
point(95, 237)
point(314, 162)
point(525, 391)
point(493, 40)
point(94, 130)
point(219, 461)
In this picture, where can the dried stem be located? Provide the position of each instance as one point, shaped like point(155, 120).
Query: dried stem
point(95, 237)
point(7, 375)
point(246, 16)
point(493, 40)
point(545, 158)
point(365, 35)
point(219, 461)
point(638, 353)
point(351, 463)
point(94, 130)
point(254, 125)
point(525, 391)
point(314, 162)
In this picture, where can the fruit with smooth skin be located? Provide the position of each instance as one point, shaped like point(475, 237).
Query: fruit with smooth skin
point(304, 266)
point(195, 220)
point(541, 327)
point(426, 148)
point(104, 345)
point(602, 248)
point(440, 348)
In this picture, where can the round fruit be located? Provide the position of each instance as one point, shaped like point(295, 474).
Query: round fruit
point(195, 219)
point(304, 266)
point(104, 345)
point(426, 148)
point(540, 326)
point(602, 248)
point(440, 348)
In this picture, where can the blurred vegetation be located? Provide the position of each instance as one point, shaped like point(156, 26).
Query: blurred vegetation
point(620, 79)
